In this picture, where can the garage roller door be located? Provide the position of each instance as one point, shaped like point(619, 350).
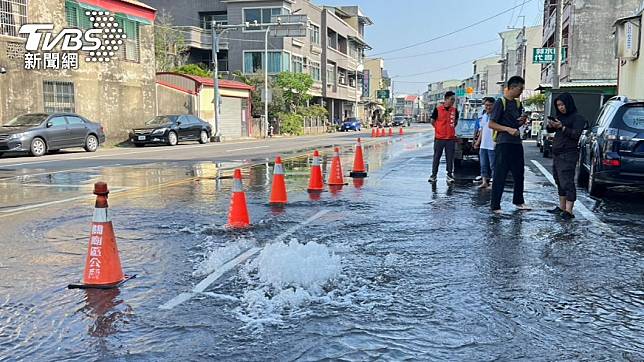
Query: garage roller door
point(231, 118)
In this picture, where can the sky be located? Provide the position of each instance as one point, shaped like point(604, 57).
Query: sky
point(399, 23)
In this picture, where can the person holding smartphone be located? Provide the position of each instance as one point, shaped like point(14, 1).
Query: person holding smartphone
point(568, 127)
point(507, 117)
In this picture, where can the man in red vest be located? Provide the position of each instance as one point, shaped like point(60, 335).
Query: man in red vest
point(444, 119)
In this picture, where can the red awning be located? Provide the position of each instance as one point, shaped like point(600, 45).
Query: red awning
point(127, 7)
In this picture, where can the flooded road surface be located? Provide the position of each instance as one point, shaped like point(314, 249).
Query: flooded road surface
point(391, 269)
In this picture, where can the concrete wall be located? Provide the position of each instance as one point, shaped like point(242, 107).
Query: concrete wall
point(120, 94)
point(173, 101)
point(591, 45)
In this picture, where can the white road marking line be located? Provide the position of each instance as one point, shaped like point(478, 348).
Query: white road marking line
point(44, 204)
point(246, 149)
point(214, 276)
point(578, 205)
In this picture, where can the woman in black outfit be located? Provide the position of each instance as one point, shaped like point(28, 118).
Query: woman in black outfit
point(568, 127)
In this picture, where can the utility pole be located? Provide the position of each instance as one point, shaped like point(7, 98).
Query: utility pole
point(215, 76)
point(266, 81)
point(558, 35)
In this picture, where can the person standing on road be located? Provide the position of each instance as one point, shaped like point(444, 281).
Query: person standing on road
point(568, 127)
point(506, 119)
point(485, 144)
point(444, 119)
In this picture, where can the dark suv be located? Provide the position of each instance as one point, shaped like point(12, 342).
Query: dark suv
point(612, 151)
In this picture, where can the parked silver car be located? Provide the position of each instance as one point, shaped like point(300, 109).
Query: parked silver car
point(39, 133)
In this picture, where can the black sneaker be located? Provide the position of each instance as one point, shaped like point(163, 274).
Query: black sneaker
point(450, 179)
point(567, 216)
point(432, 179)
point(556, 211)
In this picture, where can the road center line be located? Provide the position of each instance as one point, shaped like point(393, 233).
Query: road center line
point(246, 149)
point(230, 265)
point(578, 205)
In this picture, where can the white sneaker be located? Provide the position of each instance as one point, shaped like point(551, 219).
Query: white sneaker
point(432, 179)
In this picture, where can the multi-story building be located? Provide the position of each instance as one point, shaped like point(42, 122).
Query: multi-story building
point(407, 105)
point(488, 76)
point(587, 34)
point(119, 93)
point(508, 59)
point(435, 93)
point(376, 79)
point(527, 39)
point(331, 52)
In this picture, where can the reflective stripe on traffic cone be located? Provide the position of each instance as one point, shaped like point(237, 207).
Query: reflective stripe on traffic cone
point(103, 264)
point(316, 183)
point(359, 169)
point(278, 192)
point(238, 214)
point(335, 176)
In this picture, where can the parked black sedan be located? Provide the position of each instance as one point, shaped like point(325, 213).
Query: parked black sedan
point(39, 133)
point(170, 130)
point(612, 151)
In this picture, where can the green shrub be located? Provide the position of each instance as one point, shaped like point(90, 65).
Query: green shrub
point(291, 124)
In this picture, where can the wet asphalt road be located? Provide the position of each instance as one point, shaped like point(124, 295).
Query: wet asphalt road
point(392, 269)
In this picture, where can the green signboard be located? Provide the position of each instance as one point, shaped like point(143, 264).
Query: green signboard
point(383, 94)
point(547, 55)
point(460, 92)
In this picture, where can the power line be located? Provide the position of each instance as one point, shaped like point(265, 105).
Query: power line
point(452, 32)
point(439, 69)
point(443, 50)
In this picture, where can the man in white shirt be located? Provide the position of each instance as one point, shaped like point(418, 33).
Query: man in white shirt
point(485, 143)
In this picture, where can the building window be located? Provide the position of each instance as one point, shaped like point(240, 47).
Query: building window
point(298, 64)
point(262, 15)
point(59, 96)
point(13, 14)
point(314, 35)
point(76, 17)
point(314, 68)
point(342, 76)
point(206, 19)
point(130, 49)
point(277, 62)
point(330, 74)
point(332, 39)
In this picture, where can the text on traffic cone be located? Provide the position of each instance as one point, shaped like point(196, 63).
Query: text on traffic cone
point(238, 214)
point(278, 191)
point(103, 263)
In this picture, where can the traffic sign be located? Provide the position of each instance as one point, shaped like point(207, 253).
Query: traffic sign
point(547, 55)
point(383, 94)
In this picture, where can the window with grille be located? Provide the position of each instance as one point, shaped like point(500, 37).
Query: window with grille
point(314, 34)
point(13, 14)
point(76, 17)
point(314, 68)
point(298, 64)
point(59, 96)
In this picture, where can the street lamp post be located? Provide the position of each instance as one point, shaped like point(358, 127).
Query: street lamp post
point(266, 82)
point(217, 100)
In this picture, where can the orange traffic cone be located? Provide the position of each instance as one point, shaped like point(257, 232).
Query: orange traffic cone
point(391, 131)
point(278, 193)
point(238, 214)
point(316, 183)
point(103, 264)
point(401, 131)
point(382, 132)
point(359, 170)
point(373, 133)
point(335, 177)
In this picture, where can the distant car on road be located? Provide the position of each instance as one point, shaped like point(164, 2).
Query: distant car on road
point(612, 151)
point(351, 124)
point(170, 130)
point(398, 121)
point(39, 133)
